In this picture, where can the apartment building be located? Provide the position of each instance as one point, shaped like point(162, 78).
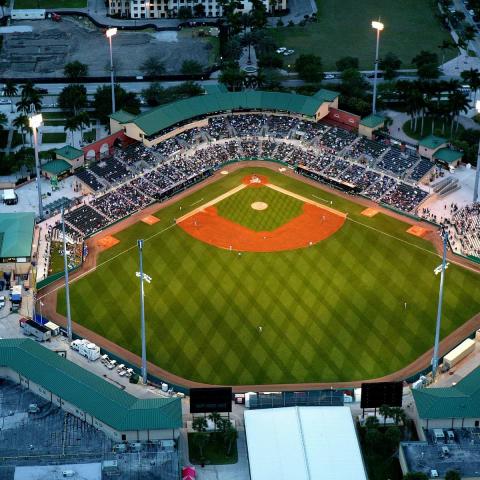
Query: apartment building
point(169, 8)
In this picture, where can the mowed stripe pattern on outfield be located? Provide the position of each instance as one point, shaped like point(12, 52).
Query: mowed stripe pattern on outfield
point(331, 312)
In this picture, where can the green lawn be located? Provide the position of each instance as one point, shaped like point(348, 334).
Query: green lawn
point(55, 137)
point(50, 4)
point(214, 452)
point(281, 209)
point(441, 129)
point(331, 312)
point(344, 29)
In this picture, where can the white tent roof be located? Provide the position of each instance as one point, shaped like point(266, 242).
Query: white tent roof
point(304, 443)
point(9, 194)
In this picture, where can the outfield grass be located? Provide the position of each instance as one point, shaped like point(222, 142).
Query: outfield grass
point(344, 29)
point(331, 312)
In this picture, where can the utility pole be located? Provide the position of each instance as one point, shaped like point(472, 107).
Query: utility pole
point(67, 288)
point(440, 269)
point(477, 176)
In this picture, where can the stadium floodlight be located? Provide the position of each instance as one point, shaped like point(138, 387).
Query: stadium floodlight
point(378, 26)
point(146, 277)
point(34, 122)
point(110, 33)
point(441, 269)
point(477, 174)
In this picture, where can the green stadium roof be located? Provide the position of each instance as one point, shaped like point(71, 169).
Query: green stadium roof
point(122, 116)
point(165, 116)
point(448, 155)
point(215, 88)
point(16, 234)
point(99, 398)
point(69, 152)
point(372, 121)
point(432, 142)
point(326, 95)
point(459, 401)
point(56, 167)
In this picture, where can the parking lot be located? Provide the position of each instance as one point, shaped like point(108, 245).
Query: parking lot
point(49, 46)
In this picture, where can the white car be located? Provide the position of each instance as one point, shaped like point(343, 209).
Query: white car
point(4, 101)
point(281, 49)
point(2, 301)
point(329, 76)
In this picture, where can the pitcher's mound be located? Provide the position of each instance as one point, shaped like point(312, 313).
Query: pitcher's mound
point(259, 205)
point(417, 231)
point(150, 220)
point(369, 212)
point(107, 242)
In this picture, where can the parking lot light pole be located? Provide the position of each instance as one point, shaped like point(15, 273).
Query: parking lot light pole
point(148, 279)
point(35, 121)
point(110, 33)
point(67, 288)
point(440, 269)
point(378, 26)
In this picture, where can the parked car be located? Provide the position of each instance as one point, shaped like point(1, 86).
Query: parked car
point(281, 49)
point(4, 101)
point(2, 301)
point(329, 76)
point(43, 91)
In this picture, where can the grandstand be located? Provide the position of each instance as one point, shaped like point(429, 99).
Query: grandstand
point(139, 175)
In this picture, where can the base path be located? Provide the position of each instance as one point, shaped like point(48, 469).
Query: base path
point(314, 224)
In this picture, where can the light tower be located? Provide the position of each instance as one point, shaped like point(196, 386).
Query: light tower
point(67, 288)
point(378, 26)
point(440, 269)
point(148, 279)
point(35, 121)
point(110, 33)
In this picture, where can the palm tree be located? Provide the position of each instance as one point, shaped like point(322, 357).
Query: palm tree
point(3, 120)
point(230, 436)
point(199, 424)
point(201, 439)
point(461, 45)
point(83, 121)
point(472, 77)
point(444, 46)
point(3, 4)
point(386, 412)
point(71, 125)
point(458, 102)
point(469, 34)
point(21, 123)
point(10, 90)
point(215, 418)
point(23, 105)
point(398, 414)
point(28, 89)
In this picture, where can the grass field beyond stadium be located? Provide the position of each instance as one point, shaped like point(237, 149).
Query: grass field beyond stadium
point(331, 312)
point(344, 29)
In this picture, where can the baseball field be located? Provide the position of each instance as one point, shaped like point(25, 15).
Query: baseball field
point(272, 281)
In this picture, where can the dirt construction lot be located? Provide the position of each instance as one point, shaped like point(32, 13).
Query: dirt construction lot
point(49, 46)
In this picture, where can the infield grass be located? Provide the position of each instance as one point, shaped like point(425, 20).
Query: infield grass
point(331, 312)
point(344, 29)
point(280, 208)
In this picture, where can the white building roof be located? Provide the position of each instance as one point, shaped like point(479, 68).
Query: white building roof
point(304, 443)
